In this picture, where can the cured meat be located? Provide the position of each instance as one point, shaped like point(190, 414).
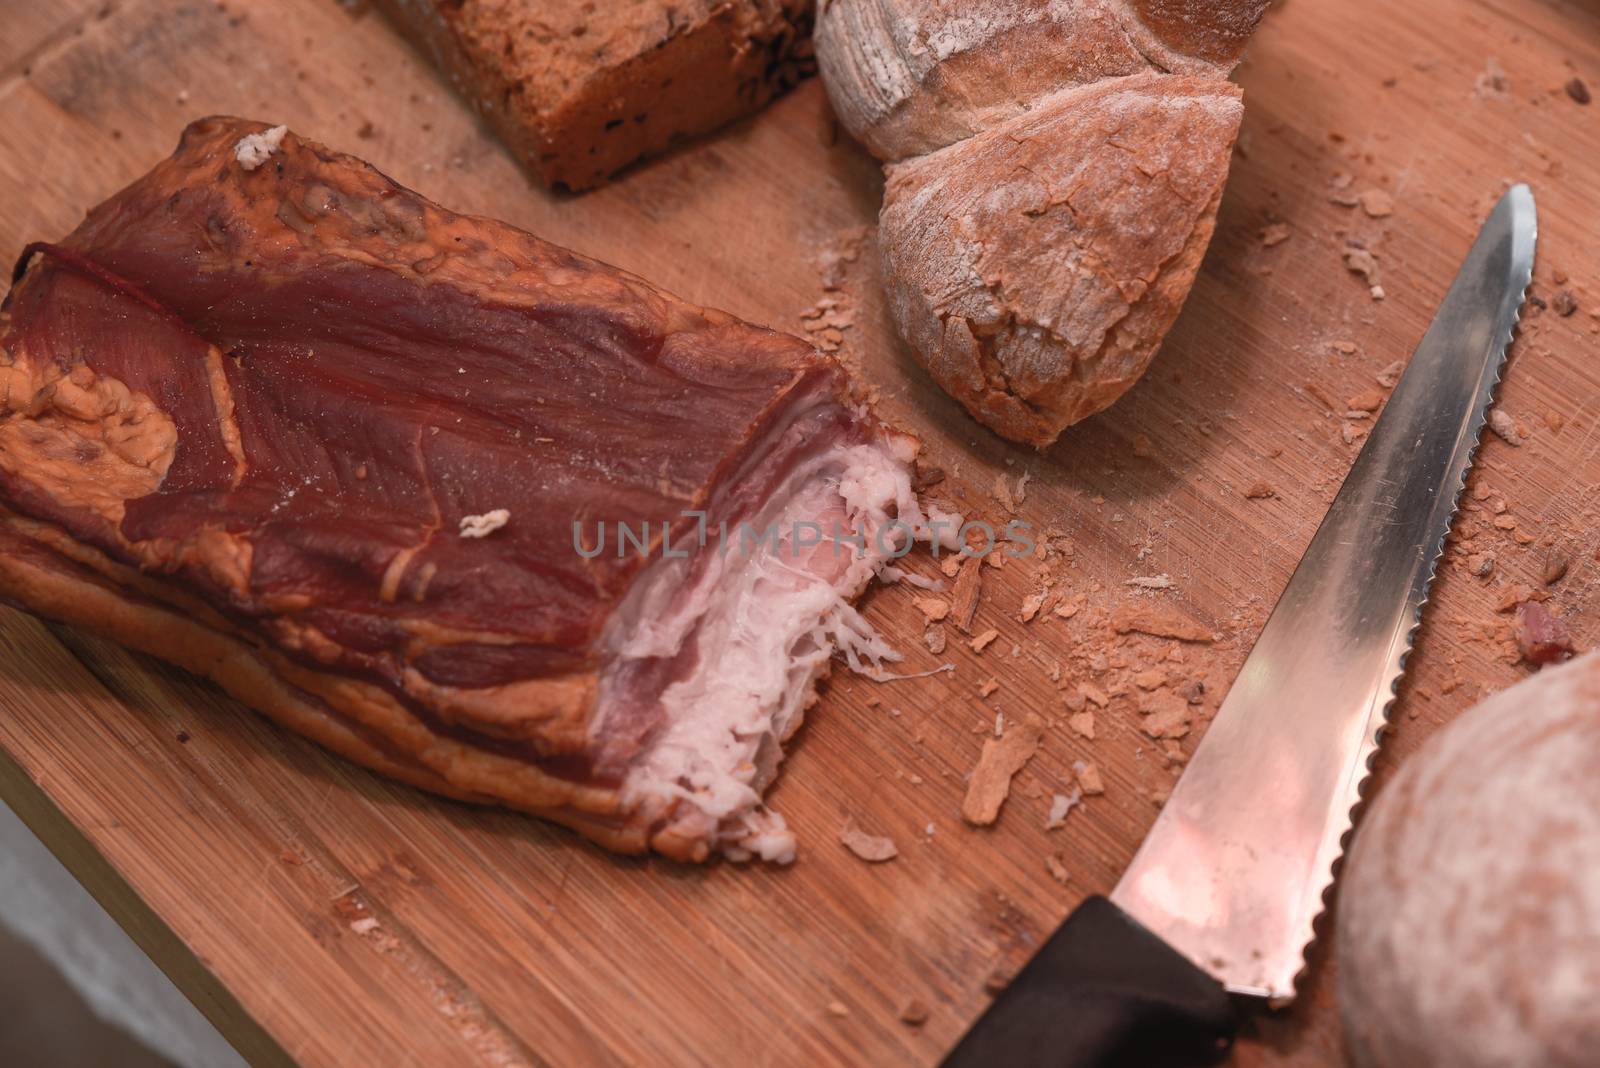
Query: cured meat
point(468, 508)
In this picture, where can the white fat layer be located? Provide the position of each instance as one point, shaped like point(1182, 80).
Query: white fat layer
point(255, 149)
point(766, 624)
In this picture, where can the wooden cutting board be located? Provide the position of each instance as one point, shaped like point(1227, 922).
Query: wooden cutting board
point(322, 915)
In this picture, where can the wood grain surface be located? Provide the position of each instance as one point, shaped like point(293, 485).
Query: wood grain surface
point(324, 916)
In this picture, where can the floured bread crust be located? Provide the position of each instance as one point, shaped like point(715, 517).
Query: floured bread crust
point(1037, 286)
point(991, 113)
point(1469, 911)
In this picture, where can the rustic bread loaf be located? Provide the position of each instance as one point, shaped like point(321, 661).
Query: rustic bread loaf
point(1469, 914)
point(579, 91)
point(1055, 172)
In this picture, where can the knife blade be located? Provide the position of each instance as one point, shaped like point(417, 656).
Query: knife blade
point(1223, 894)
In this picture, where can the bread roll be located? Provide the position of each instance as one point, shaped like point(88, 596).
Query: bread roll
point(1469, 916)
point(1055, 172)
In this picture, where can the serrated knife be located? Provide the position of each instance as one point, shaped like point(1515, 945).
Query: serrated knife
point(1222, 896)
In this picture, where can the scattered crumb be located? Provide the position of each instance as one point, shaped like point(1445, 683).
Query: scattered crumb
point(481, 526)
point(1151, 582)
point(1082, 724)
point(1555, 569)
point(1275, 234)
point(1389, 377)
point(874, 849)
point(1377, 203)
point(1260, 491)
point(838, 1009)
point(1360, 261)
point(1504, 427)
point(933, 609)
point(1094, 695)
point(1481, 564)
point(1001, 759)
point(1578, 91)
point(1030, 606)
point(1002, 493)
point(1166, 715)
point(1089, 780)
point(1370, 401)
point(1564, 303)
point(1158, 621)
point(988, 688)
point(914, 1013)
point(1512, 596)
point(983, 641)
point(964, 594)
point(1057, 869)
point(934, 638)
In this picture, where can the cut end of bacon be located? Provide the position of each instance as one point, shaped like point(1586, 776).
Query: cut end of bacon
point(274, 418)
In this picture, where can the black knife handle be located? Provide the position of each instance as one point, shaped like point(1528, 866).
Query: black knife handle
point(1103, 992)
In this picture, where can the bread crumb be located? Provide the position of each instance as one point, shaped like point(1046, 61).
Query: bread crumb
point(1370, 401)
point(1274, 234)
point(984, 640)
point(254, 149)
point(1058, 870)
point(1504, 427)
point(1030, 606)
point(1089, 780)
point(1260, 491)
point(1002, 493)
point(1555, 569)
point(838, 1009)
point(964, 594)
point(1082, 724)
point(1512, 596)
point(481, 526)
point(1158, 621)
point(1360, 261)
point(933, 609)
point(1377, 203)
point(1166, 715)
point(874, 849)
point(934, 639)
point(914, 1013)
point(1001, 759)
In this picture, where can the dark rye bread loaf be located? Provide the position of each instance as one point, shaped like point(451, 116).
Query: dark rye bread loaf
point(581, 90)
